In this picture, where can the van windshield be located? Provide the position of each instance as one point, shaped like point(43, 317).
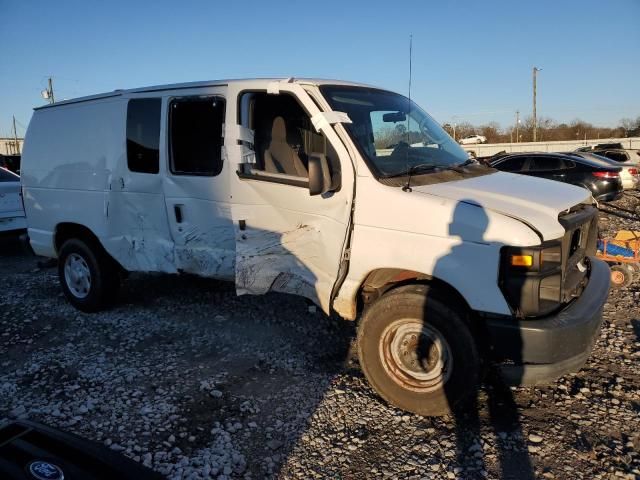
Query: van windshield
point(394, 134)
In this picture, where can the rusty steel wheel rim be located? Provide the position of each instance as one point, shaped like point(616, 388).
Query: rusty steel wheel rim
point(415, 355)
point(617, 277)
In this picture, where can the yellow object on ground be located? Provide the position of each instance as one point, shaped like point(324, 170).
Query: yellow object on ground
point(627, 238)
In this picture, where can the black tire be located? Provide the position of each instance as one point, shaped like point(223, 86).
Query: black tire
point(104, 280)
point(621, 276)
point(392, 320)
point(635, 268)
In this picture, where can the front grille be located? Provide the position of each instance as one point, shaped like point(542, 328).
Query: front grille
point(559, 271)
point(24, 444)
point(579, 241)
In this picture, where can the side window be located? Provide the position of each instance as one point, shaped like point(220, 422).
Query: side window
point(196, 135)
point(538, 164)
point(283, 135)
point(143, 135)
point(617, 156)
point(512, 164)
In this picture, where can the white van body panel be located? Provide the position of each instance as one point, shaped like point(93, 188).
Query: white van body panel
point(536, 201)
point(290, 241)
point(77, 149)
point(432, 235)
point(270, 236)
point(204, 241)
point(81, 177)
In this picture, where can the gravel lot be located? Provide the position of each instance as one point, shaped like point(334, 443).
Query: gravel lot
point(195, 382)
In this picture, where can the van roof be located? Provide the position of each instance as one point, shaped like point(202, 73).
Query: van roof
point(209, 83)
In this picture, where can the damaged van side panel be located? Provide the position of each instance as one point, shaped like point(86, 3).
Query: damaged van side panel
point(275, 252)
point(201, 227)
point(138, 235)
point(137, 231)
point(198, 206)
point(287, 240)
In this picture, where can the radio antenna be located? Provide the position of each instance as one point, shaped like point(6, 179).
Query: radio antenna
point(407, 187)
point(410, 75)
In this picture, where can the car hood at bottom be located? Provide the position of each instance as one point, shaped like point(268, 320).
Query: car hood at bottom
point(534, 201)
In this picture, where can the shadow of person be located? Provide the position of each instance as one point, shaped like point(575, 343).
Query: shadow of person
point(636, 328)
point(469, 224)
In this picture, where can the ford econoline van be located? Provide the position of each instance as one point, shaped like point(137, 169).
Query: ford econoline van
point(345, 194)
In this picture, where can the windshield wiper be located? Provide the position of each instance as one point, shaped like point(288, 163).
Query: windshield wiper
point(468, 162)
point(421, 167)
point(460, 167)
point(427, 167)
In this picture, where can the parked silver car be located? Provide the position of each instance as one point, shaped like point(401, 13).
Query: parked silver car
point(11, 209)
point(473, 139)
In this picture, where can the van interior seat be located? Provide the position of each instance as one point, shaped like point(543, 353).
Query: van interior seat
point(280, 157)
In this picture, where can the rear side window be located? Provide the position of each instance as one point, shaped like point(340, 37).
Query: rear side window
point(143, 135)
point(512, 164)
point(196, 135)
point(545, 163)
point(617, 156)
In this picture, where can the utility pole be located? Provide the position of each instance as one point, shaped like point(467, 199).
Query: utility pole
point(535, 119)
point(48, 93)
point(517, 125)
point(52, 99)
point(15, 136)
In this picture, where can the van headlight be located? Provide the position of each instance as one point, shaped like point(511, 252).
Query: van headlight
point(531, 278)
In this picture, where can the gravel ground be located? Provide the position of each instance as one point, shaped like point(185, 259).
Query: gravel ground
point(194, 382)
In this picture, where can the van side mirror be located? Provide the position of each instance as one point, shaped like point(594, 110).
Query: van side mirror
point(319, 174)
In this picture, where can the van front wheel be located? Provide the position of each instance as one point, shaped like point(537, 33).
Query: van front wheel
point(89, 277)
point(417, 352)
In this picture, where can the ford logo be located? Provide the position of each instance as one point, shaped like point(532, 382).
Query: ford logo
point(45, 471)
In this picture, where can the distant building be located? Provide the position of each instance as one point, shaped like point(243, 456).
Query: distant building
point(8, 146)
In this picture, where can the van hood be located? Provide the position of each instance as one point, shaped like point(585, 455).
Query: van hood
point(534, 201)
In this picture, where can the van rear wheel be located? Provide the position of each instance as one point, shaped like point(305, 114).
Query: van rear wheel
point(89, 277)
point(417, 352)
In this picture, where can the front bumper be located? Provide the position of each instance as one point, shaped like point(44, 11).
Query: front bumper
point(539, 351)
point(609, 196)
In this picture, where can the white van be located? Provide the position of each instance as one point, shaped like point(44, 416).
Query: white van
point(345, 194)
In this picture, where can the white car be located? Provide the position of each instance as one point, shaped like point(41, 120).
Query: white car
point(286, 185)
point(11, 209)
point(473, 139)
point(630, 175)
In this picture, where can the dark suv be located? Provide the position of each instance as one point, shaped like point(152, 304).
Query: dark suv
point(614, 151)
point(602, 179)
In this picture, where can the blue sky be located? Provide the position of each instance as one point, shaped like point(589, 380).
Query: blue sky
point(472, 60)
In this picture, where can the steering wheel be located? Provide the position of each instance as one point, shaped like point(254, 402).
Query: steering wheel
point(400, 147)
